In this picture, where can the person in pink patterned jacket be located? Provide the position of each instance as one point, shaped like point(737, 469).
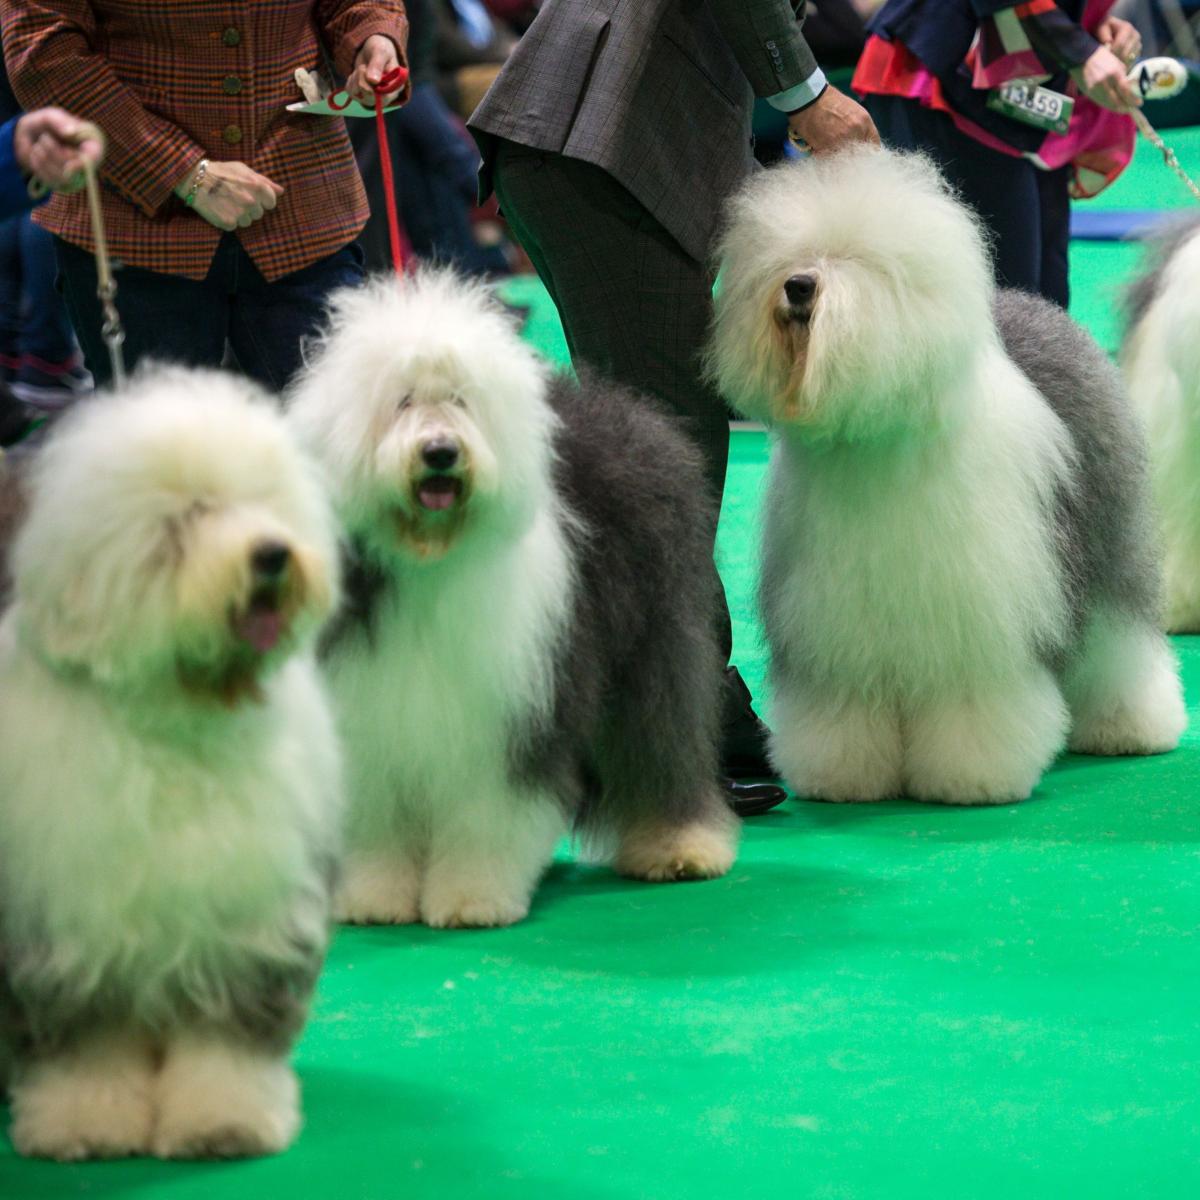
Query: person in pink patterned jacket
point(934, 75)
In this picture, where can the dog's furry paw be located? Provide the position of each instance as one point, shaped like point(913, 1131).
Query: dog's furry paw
point(1152, 724)
point(99, 1106)
point(222, 1101)
point(971, 793)
point(1130, 734)
point(666, 855)
point(462, 910)
point(377, 891)
point(844, 753)
point(844, 789)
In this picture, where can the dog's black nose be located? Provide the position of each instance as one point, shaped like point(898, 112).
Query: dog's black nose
point(270, 559)
point(440, 454)
point(800, 290)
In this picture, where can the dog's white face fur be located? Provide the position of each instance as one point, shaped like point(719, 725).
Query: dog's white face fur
point(176, 537)
point(429, 415)
point(854, 293)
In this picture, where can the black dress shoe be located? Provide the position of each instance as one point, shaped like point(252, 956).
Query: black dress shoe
point(752, 799)
point(743, 735)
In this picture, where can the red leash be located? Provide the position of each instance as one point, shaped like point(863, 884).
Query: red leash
point(393, 81)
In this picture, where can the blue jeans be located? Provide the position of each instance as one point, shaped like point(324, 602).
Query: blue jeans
point(33, 319)
point(1027, 211)
point(172, 319)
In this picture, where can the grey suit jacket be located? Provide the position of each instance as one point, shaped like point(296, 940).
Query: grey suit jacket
point(659, 93)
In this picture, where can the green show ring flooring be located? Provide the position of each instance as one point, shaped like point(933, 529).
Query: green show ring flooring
point(890, 1000)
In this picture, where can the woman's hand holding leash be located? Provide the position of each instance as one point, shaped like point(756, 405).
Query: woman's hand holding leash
point(1121, 38)
point(54, 148)
point(1103, 79)
point(1104, 76)
point(377, 59)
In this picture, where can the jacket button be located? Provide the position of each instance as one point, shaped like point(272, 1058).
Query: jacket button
point(232, 36)
point(232, 134)
point(231, 85)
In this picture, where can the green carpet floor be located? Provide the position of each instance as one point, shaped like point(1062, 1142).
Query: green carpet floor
point(881, 1001)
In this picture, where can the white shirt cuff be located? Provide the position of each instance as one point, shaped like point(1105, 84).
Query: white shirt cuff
point(801, 95)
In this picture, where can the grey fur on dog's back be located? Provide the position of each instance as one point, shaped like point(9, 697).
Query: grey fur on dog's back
point(636, 710)
point(1160, 248)
point(1107, 537)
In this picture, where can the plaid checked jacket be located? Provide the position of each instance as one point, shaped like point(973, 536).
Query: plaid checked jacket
point(170, 83)
point(659, 93)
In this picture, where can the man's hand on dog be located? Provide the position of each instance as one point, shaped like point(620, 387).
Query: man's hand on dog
point(833, 121)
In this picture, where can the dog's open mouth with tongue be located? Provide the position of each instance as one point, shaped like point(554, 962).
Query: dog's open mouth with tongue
point(262, 624)
point(439, 493)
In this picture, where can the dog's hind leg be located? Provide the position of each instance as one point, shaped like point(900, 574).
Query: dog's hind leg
point(657, 764)
point(990, 746)
point(91, 1101)
point(1124, 689)
point(838, 748)
point(663, 802)
point(486, 856)
point(667, 852)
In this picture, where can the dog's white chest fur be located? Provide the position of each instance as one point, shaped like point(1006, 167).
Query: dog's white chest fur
point(911, 567)
point(457, 657)
point(143, 861)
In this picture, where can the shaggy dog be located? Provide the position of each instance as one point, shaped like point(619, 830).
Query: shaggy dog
point(528, 644)
point(1161, 358)
point(169, 777)
point(958, 573)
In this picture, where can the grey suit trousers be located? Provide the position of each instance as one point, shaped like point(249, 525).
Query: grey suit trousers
point(634, 305)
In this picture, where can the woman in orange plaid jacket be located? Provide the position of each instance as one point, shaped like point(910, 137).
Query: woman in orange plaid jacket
point(231, 219)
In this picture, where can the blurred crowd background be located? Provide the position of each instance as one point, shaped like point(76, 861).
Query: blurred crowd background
point(456, 49)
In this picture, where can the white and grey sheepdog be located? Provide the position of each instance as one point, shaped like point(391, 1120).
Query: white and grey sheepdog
point(527, 646)
point(959, 572)
point(1161, 359)
point(169, 776)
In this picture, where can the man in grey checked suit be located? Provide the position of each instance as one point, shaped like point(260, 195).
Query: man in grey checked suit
point(612, 137)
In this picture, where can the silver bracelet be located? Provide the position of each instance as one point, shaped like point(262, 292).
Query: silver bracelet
point(197, 180)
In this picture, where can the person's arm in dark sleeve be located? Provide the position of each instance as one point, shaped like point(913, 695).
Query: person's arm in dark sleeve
point(1059, 42)
point(14, 191)
point(767, 39)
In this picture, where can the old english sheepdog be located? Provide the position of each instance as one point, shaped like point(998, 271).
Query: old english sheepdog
point(959, 573)
point(1161, 358)
point(527, 646)
point(169, 776)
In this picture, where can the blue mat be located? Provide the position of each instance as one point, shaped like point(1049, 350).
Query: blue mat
point(1114, 224)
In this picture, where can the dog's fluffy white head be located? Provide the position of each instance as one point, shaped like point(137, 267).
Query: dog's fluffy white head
point(854, 291)
point(176, 536)
point(430, 415)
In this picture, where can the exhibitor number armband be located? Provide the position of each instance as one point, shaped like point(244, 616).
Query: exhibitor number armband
point(1027, 102)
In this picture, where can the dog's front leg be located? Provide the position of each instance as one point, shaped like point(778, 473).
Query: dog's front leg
point(221, 1097)
point(379, 887)
point(486, 858)
point(831, 746)
point(990, 746)
point(93, 1100)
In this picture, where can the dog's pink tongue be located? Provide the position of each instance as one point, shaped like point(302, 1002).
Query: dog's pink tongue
point(437, 493)
point(261, 628)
